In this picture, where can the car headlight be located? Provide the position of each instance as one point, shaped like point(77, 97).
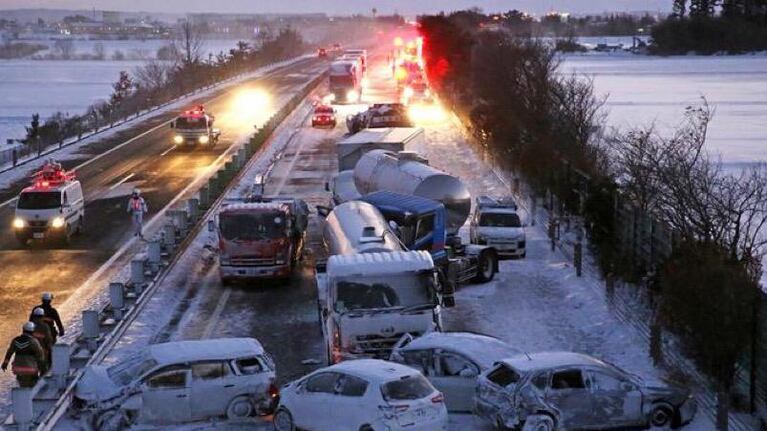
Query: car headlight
point(204, 139)
point(408, 93)
point(19, 223)
point(351, 95)
point(57, 222)
point(279, 261)
point(178, 139)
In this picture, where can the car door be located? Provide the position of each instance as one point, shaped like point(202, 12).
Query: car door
point(213, 386)
point(499, 387)
point(456, 377)
point(350, 411)
point(165, 395)
point(569, 396)
point(616, 400)
point(314, 402)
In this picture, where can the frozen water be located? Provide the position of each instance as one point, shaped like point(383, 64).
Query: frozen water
point(643, 89)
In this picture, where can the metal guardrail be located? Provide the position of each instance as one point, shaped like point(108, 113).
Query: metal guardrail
point(103, 329)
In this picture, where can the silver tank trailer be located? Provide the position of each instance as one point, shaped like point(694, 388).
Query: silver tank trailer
point(357, 227)
point(407, 173)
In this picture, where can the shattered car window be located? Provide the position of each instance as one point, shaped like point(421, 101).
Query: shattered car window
point(407, 388)
point(249, 366)
point(126, 371)
point(569, 379)
point(210, 370)
point(503, 376)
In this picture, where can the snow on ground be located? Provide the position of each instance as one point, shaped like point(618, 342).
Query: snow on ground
point(73, 151)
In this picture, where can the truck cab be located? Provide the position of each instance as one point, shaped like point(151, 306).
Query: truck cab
point(496, 222)
point(260, 238)
point(371, 290)
point(52, 208)
point(421, 224)
point(195, 127)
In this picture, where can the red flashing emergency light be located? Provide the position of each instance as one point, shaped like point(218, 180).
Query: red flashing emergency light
point(51, 174)
point(197, 111)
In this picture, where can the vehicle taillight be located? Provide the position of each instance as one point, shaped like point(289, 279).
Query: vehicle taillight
point(438, 399)
point(400, 408)
point(274, 391)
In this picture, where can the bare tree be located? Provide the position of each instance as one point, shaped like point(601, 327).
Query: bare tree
point(189, 42)
point(65, 48)
point(153, 75)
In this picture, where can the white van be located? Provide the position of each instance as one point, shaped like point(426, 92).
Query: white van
point(53, 207)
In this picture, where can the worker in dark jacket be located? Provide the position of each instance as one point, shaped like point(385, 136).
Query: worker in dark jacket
point(51, 316)
point(28, 360)
point(43, 333)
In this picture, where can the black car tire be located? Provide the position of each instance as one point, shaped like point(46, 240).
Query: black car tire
point(661, 415)
point(283, 420)
point(486, 266)
point(538, 423)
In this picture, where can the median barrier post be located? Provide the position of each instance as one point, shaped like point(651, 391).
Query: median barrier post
point(193, 209)
point(22, 408)
point(229, 169)
point(61, 364)
point(90, 332)
point(154, 255)
point(169, 235)
point(204, 195)
point(117, 298)
point(137, 277)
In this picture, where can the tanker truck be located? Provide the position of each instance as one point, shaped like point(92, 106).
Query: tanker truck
point(371, 290)
point(430, 222)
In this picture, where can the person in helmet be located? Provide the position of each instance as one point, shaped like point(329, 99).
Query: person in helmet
point(28, 360)
point(137, 208)
point(51, 317)
point(42, 332)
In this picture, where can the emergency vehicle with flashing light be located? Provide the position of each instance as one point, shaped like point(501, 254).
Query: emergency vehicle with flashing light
point(195, 126)
point(52, 208)
point(324, 116)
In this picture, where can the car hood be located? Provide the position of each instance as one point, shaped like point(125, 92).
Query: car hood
point(501, 232)
point(95, 385)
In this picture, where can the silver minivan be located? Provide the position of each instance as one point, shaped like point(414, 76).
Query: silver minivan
point(179, 382)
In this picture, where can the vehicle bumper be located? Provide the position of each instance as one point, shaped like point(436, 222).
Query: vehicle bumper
point(40, 233)
point(687, 411)
point(275, 271)
point(436, 424)
point(510, 249)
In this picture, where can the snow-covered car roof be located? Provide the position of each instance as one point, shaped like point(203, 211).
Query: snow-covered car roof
point(481, 349)
point(377, 262)
point(204, 350)
point(373, 370)
point(546, 360)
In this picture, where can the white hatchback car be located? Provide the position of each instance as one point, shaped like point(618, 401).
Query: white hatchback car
point(180, 381)
point(452, 361)
point(361, 395)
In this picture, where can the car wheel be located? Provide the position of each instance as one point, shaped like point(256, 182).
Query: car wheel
point(486, 267)
point(661, 416)
point(283, 420)
point(240, 407)
point(538, 423)
point(366, 427)
point(110, 420)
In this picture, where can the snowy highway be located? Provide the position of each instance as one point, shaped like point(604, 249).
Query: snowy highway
point(535, 304)
point(142, 156)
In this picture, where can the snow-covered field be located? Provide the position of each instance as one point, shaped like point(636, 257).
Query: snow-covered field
point(70, 86)
point(642, 89)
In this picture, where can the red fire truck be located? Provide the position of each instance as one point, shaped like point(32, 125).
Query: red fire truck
point(195, 126)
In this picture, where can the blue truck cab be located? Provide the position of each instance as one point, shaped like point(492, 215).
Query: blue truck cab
point(421, 224)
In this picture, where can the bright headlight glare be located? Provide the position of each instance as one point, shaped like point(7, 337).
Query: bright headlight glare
point(408, 92)
point(351, 95)
point(178, 139)
point(18, 223)
point(57, 222)
point(204, 139)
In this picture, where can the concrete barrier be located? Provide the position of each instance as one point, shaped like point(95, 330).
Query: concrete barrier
point(22, 408)
point(91, 330)
point(117, 299)
point(60, 364)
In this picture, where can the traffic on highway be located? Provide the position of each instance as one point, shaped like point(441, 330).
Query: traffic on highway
point(365, 270)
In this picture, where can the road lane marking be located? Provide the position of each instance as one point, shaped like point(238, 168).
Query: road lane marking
point(119, 183)
point(163, 124)
point(168, 150)
point(213, 321)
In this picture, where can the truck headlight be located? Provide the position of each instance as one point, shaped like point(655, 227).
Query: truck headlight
point(57, 222)
point(408, 93)
point(178, 139)
point(204, 139)
point(351, 95)
point(19, 223)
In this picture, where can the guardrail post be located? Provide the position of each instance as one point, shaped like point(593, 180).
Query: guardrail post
point(193, 208)
point(154, 255)
point(204, 197)
point(61, 364)
point(169, 237)
point(22, 408)
point(91, 329)
point(117, 297)
point(179, 219)
point(213, 186)
point(137, 277)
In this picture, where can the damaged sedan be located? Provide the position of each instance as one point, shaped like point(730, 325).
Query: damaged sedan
point(570, 391)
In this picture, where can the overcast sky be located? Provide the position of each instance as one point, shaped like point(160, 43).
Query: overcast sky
point(408, 7)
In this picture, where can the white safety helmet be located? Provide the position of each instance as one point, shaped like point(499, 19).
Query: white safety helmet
point(47, 296)
point(137, 192)
point(38, 312)
point(28, 327)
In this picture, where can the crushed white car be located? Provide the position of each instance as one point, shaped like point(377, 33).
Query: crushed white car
point(179, 382)
point(361, 395)
point(452, 361)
